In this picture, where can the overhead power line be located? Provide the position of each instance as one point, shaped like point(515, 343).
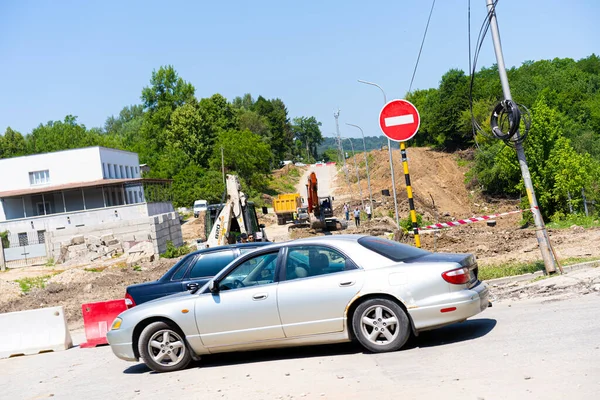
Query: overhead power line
point(421, 49)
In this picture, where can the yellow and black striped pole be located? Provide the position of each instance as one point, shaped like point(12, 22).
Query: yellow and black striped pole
point(411, 202)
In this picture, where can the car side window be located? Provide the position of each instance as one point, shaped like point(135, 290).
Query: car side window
point(307, 261)
point(258, 270)
point(209, 264)
point(244, 250)
point(178, 275)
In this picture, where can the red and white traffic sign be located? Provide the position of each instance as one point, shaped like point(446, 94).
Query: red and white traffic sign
point(399, 120)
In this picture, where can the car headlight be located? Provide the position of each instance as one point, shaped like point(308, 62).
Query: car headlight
point(116, 324)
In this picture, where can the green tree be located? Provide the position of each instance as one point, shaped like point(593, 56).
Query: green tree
point(166, 92)
point(12, 144)
point(191, 132)
point(307, 130)
point(245, 154)
point(61, 135)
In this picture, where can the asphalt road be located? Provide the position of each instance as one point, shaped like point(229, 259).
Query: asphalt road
point(515, 350)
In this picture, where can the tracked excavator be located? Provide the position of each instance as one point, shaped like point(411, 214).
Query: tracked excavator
point(235, 217)
point(320, 208)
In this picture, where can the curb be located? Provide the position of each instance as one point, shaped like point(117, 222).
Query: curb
point(526, 277)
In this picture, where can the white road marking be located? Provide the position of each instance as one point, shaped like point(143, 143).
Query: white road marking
point(399, 120)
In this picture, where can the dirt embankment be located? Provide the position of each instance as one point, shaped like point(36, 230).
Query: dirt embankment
point(77, 286)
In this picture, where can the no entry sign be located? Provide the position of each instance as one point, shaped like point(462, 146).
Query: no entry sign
point(399, 120)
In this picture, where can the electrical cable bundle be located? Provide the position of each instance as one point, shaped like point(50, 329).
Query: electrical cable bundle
point(507, 115)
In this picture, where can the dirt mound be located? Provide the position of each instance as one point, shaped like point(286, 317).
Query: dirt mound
point(193, 229)
point(9, 291)
point(76, 286)
point(432, 173)
point(285, 170)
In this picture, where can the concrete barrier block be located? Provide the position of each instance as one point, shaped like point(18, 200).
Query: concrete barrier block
point(76, 240)
point(34, 331)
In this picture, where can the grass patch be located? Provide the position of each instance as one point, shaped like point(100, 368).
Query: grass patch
point(94, 269)
point(487, 272)
point(27, 284)
point(174, 252)
point(570, 220)
point(137, 268)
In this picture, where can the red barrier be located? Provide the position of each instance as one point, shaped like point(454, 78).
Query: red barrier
point(330, 163)
point(97, 318)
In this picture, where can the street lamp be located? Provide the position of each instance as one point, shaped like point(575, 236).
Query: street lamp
point(357, 175)
point(366, 163)
point(390, 152)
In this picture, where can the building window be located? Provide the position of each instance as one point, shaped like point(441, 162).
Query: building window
point(103, 170)
point(122, 174)
point(39, 177)
point(136, 172)
point(136, 196)
point(110, 171)
point(41, 237)
point(23, 240)
point(127, 173)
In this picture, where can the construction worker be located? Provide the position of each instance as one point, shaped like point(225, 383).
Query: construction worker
point(357, 217)
point(368, 211)
point(347, 211)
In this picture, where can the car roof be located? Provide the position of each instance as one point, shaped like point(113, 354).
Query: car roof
point(232, 246)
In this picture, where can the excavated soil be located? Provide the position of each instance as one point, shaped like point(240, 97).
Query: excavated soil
point(433, 174)
point(76, 286)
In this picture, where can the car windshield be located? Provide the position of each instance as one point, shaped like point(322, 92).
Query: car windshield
point(393, 250)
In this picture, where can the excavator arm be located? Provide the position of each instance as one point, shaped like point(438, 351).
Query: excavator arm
point(232, 212)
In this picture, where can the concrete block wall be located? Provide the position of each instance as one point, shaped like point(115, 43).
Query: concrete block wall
point(157, 229)
point(166, 227)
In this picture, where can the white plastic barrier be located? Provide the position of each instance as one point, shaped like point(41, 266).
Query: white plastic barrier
point(34, 331)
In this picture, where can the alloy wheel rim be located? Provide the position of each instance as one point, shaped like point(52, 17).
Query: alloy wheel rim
point(166, 348)
point(379, 325)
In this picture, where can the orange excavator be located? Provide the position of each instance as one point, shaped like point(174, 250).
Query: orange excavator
point(320, 208)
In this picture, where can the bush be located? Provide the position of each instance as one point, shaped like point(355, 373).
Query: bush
point(174, 252)
point(406, 224)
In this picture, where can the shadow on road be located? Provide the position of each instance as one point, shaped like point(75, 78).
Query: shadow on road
point(468, 330)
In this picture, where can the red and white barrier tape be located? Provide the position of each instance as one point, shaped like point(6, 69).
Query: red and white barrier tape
point(474, 219)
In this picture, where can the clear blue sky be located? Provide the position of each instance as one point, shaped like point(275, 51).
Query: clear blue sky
point(91, 60)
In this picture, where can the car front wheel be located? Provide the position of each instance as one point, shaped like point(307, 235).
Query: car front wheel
point(163, 348)
point(380, 325)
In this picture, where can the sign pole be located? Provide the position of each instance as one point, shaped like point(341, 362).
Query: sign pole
point(540, 232)
point(411, 202)
point(399, 120)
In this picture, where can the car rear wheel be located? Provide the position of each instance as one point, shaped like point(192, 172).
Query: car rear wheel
point(163, 348)
point(380, 325)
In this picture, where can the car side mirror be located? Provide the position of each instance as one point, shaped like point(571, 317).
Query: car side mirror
point(213, 286)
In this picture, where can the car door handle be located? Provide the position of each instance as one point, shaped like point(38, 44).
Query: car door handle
point(191, 286)
point(260, 296)
point(346, 283)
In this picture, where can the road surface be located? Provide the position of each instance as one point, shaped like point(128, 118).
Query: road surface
point(531, 349)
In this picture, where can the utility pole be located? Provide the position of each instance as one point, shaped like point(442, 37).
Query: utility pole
point(540, 232)
point(362, 202)
point(223, 165)
point(391, 159)
point(336, 115)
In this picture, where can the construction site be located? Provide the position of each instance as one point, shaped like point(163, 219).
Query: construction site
point(437, 177)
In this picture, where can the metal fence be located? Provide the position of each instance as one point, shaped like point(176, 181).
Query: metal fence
point(25, 249)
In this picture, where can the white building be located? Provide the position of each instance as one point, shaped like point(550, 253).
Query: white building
point(76, 188)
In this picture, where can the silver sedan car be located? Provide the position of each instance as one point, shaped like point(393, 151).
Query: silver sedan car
point(304, 292)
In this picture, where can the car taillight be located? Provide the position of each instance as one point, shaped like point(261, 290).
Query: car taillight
point(129, 301)
point(458, 276)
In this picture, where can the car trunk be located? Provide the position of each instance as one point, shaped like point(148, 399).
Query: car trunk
point(464, 260)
